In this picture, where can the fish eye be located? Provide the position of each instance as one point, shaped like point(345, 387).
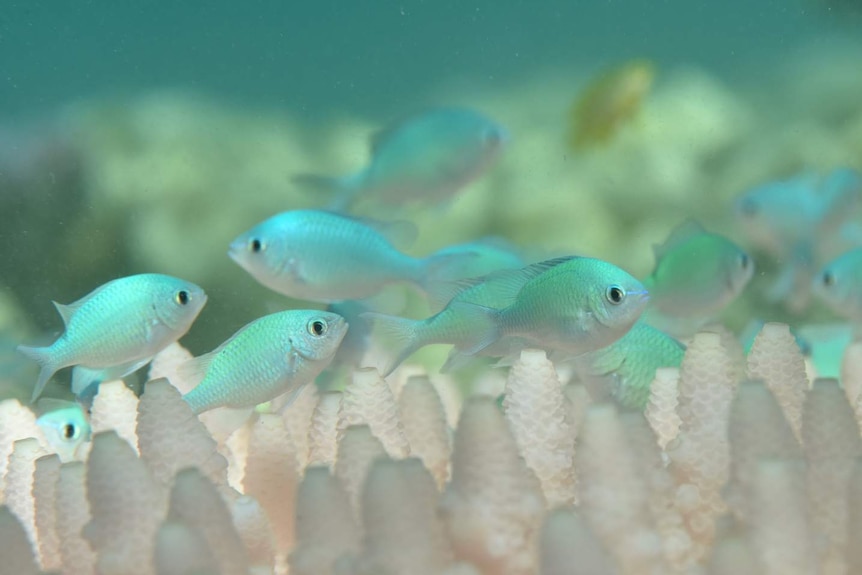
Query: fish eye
point(182, 297)
point(69, 431)
point(317, 327)
point(748, 207)
point(828, 278)
point(256, 246)
point(744, 261)
point(615, 294)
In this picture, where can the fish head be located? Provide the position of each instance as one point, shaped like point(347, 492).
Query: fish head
point(739, 269)
point(837, 284)
point(264, 250)
point(177, 303)
point(316, 335)
point(66, 429)
point(615, 300)
point(778, 214)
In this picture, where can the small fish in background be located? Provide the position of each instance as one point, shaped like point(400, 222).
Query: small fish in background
point(120, 325)
point(426, 158)
point(801, 221)
point(573, 305)
point(609, 102)
point(697, 274)
point(327, 257)
point(274, 355)
point(489, 254)
point(625, 369)
point(839, 285)
point(65, 426)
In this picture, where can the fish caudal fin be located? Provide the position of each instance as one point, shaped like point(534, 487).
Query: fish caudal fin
point(344, 189)
point(44, 357)
point(405, 332)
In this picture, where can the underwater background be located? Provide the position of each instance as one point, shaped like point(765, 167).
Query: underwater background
point(145, 138)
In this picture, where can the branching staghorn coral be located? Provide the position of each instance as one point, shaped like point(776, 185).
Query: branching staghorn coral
point(755, 500)
point(535, 408)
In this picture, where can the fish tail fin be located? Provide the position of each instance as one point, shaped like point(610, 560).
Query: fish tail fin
point(407, 332)
point(343, 189)
point(44, 356)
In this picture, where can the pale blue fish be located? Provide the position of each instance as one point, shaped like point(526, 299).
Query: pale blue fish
point(327, 257)
point(65, 426)
point(625, 369)
point(275, 355)
point(839, 285)
point(794, 220)
point(425, 158)
point(120, 325)
point(571, 304)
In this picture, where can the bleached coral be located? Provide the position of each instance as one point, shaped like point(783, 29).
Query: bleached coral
point(791, 507)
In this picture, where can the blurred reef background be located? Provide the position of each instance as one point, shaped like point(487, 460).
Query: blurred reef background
point(145, 137)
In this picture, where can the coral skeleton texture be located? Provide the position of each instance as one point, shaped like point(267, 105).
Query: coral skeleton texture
point(737, 466)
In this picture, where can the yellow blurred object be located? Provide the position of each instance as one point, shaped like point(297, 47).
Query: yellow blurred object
point(607, 102)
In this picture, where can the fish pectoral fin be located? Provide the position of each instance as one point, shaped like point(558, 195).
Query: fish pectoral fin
point(83, 377)
point(286, 399)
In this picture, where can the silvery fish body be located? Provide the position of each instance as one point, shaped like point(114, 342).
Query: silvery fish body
point(427, 157)
point(124, 322)
point(697, 273)
point(327, 257)
point(271, 356)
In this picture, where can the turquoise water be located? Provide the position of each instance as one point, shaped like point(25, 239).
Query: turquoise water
point(145, 137)
point(369, 57)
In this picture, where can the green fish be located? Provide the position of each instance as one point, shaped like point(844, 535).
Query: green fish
point(327, 257)
point(570, 304)
point(625, 369)
point(426, 158)
point(65, 426)
point(697, 273)
point(271, 356)
point(120, 325)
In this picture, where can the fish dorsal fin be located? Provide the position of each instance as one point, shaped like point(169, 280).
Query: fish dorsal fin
point(382, 135)
point(195, 369)
point(506, 284)
point(66, 311)
point(399, 232)
point(682, 233)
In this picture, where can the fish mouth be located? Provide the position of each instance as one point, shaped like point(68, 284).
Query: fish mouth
point(234, 252)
